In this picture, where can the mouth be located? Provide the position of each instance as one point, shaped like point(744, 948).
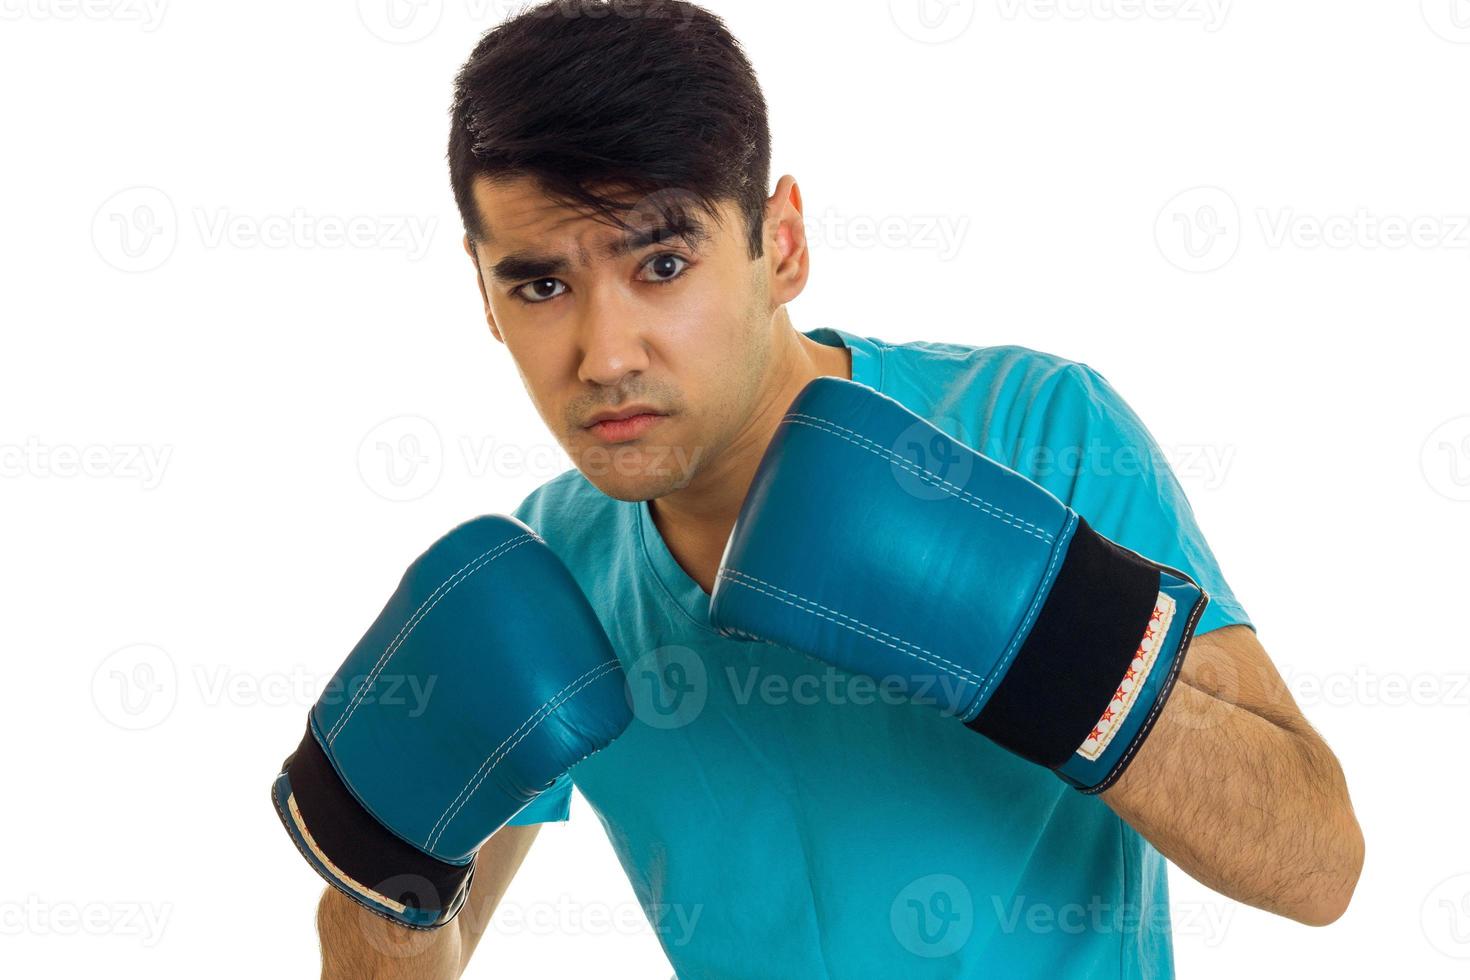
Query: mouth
point(623, 425)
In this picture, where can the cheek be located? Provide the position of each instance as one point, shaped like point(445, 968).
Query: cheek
point(540, 376)
point(712, 332)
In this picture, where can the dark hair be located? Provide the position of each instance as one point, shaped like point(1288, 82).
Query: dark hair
point(637, 97)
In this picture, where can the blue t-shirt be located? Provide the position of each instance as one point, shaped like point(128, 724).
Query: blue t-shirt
point(778, 818)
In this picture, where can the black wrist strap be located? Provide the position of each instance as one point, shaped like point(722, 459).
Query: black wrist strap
point(1069, 665)
point(357, 854)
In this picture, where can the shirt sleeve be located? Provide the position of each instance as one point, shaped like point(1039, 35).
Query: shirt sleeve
point(550, 807)
point(1089, 448)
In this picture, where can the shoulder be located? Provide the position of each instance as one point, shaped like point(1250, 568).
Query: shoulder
point(996, 397)
point(1007, 372)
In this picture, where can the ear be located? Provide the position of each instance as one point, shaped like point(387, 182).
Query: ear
point(788, 262)
point(469, 248)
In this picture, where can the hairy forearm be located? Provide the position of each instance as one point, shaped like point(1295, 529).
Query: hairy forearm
point(1252, 805)
point(358, 945)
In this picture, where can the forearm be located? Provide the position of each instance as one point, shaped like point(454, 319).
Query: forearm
point(358, 945)
point(1059, 642)
point(1255, 809)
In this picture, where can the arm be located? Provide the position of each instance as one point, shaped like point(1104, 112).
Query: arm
point(1054, 642)
point(359, 945)
point(402, 804)
point(1236, 788)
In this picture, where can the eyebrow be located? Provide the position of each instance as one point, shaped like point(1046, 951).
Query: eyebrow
point(528, 265)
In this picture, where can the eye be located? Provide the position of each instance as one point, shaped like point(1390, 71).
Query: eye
point(660, 265)
point(533, 292)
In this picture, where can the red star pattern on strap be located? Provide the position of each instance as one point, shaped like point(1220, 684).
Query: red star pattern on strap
point(1133, 679)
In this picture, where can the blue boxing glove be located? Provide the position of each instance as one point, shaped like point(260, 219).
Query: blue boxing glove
point(388, 796)
point(872, 540)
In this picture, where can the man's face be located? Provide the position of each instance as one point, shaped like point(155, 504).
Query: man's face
point(644, 349)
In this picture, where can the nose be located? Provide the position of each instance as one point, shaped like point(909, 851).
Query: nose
point(612, 347)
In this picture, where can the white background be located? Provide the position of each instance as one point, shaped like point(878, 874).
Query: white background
point(1251, 218)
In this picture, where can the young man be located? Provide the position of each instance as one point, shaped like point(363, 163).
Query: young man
point(776, 818)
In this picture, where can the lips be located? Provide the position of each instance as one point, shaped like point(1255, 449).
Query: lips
point(624, 425)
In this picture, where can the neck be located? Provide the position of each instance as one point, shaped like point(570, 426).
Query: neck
point(696, 521)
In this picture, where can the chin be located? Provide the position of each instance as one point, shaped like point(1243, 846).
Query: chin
point(638, 470)
point(638, 488)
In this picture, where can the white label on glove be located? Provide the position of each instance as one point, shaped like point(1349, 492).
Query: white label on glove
point(1127, 693)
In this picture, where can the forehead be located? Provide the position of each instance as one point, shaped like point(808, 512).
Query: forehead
point(527, 234)
point(516, 210)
